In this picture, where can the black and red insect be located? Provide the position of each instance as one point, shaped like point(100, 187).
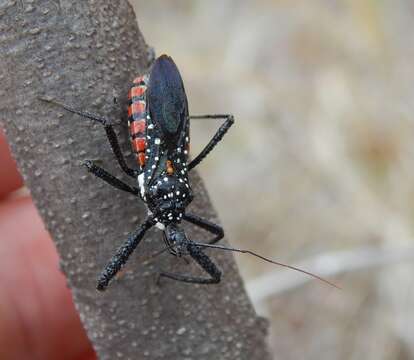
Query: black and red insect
point(159, 125)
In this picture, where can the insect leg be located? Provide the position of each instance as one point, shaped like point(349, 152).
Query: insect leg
point(116, 149)
point(110, 133)
point(109, 178)
point(206, 225)
point(216, 138)
point(122, 254)
point(206, 264)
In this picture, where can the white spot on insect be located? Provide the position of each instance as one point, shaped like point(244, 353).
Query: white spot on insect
point(165, 197)
point(148, 137)
point(150, 126)
point(177, 192)
point(186, 139)
point(179, 150)
point(182, 172)
point(165, 179)
point(160, 226)
point(170, 195)
point(148, 117)
point(180, 180)
point(178, 160)
point(141, 184)
point(185, 152)
point(183, 195)
point(153, 167)
point(157, 141)
point(156, 158)
point(187, 185)
point(148, 150)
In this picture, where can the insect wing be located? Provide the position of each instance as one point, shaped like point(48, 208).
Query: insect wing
point(167, 101)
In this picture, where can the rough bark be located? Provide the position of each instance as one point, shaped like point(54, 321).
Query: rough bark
point(86, 53)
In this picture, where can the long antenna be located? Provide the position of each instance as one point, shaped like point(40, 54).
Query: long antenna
point(71, 109)
point(268, 260)
point(148, 259)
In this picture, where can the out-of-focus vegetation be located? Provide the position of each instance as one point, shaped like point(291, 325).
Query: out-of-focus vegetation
point(321, 158)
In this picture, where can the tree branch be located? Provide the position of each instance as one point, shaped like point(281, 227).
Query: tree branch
point(85, 53)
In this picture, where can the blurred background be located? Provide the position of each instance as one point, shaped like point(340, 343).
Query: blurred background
point(319, 168)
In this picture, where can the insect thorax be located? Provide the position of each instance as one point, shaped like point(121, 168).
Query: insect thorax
point(167, 196)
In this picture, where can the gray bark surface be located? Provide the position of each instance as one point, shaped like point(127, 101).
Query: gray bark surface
point(85, 53)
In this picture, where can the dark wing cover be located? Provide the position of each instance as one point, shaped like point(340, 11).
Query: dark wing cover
point(167, 101)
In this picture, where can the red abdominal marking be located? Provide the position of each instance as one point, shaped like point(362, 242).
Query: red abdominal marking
point(137, 128)
point(139, 145)
point(137, 91)
point(138, 80)
point(137, 118)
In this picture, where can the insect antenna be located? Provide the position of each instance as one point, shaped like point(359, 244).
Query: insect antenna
point(71, 109)
point(148, 259)
point(221, 247)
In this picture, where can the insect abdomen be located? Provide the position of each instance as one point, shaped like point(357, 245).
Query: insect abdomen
point(137, 118)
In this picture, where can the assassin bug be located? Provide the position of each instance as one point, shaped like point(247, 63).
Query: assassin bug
point(159, 125)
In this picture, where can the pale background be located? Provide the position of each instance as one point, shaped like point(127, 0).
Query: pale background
point(320, 161)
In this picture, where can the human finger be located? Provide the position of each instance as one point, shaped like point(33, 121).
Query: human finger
point(37, 316)
point(10, 178)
